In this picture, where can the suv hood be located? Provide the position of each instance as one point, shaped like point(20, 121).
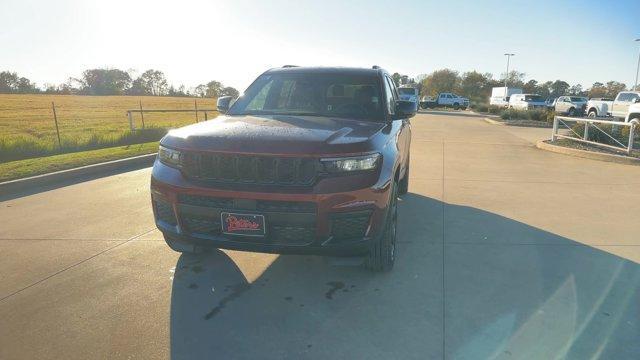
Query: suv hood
point(277, 134)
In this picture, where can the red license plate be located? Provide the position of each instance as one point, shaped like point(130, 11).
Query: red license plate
point(242, 224)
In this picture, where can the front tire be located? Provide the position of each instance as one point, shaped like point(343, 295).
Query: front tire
point(571, 112)
point(456, 106)
point(593, 114)
point(404, 183)
point(382, 254)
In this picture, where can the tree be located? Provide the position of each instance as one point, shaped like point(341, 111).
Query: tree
point(200, 90)
point(514, 79)
point(151, 82)
point(8, 82)
point(531, 87)
point(476, 86)
point(229, 91)
point(444, 80)
point(614, 87)
point(597, 90)
point(576, 90)
point(559, 88)
point(105, 81)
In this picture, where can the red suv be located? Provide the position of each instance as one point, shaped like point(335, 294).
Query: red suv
point(306, 161)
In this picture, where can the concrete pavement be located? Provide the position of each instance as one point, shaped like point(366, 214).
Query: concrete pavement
point(506, 251)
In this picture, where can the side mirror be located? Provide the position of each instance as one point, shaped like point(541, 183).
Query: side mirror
point(224, 103)
point(405, 109)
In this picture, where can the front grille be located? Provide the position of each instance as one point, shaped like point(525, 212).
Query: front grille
point(164, 212)
point(288, 222)
point(350, 225)
point(250, 169)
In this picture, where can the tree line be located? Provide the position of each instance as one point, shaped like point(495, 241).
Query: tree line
point(113, 82)
point(477, 86)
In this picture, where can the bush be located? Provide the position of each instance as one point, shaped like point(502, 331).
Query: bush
point(534, 115)
point(619, 133)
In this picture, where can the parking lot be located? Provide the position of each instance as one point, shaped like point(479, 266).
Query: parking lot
point(505, 251)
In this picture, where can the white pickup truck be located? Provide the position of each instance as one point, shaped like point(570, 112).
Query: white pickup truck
point(599, 107)
point(626, 106)
point(445, 100)
point(452, 100)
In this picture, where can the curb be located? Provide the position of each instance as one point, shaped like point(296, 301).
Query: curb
point(493, 122)
point(23, 184)
point(620, 159)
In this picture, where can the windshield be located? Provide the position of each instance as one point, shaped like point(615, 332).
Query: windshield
point(313, 94)
point(533, 98)
point(407, 91)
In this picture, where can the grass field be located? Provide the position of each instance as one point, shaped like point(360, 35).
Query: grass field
point(27, 127)
point(29, 167)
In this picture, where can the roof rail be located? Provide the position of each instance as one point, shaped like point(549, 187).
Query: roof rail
point(289, 66)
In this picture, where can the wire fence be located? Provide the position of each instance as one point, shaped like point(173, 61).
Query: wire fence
point(40, 125)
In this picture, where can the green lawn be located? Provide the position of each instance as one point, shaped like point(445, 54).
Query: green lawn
point(30, 167)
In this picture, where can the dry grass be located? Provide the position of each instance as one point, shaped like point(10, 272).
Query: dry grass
point(27, 128)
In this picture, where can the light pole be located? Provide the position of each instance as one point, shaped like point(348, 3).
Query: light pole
point(635, 87)
point(506, 75)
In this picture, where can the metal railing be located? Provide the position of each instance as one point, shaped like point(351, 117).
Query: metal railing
point(592, 124)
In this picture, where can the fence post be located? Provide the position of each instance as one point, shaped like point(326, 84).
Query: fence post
point(555, 128)
point(586, 130)
point(632, 130)
point(141, 114)
point(205, 116)
point(196, 105)
point(55, 119)
point(132, 127)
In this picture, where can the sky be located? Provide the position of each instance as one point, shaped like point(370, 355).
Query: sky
point(233, 41)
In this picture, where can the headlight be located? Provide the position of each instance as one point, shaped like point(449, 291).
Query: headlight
point(347, 164)
point(170, 157)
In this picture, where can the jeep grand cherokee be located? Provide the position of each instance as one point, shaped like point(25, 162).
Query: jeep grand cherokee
point(306, 161)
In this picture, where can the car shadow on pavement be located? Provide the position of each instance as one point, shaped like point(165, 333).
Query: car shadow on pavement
point(467, 284)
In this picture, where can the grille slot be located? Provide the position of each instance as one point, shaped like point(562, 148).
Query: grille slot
point(350, 225)
point(250, 169)
point(293, 234)
point(164, 212)
point(208, 201)
point(198, 224)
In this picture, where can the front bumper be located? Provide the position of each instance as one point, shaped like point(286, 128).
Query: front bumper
point(340, 223)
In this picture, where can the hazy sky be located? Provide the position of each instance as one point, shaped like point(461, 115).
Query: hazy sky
point(233, 41)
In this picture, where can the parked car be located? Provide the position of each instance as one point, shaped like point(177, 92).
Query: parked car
point(551, 102)
point(571, 105)
point(452, 100)
point(428, 102)
point(621, 107)
point(408, 93)
point(633, 113)
point(599, 107)
point(446, 100)
point(527, 102)
point(500, 95)
point(307, 161)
